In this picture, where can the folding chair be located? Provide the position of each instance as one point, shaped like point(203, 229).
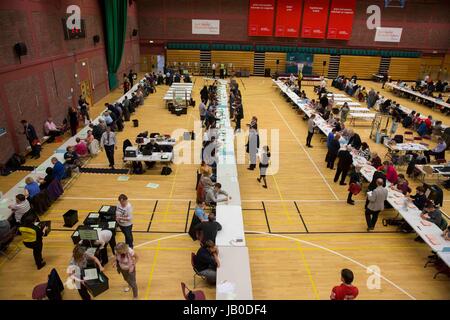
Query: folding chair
point(196, 295)
point(196, 274)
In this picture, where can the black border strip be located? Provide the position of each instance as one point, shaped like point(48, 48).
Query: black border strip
point(301, 217)
point(265, 214)
point(153, 213)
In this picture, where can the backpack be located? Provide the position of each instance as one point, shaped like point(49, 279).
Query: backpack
point(137, 167)
point(166, 171)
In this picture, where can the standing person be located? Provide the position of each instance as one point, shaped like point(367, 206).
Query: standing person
point(126, 83)
point(239, 116)
point(344, 164)
point(32, 238)
point(213, 68)
point(125, 263)
point(108, 141)
point(124, 218)
point(33, 140)
point(376, 199)
point(207, 261)
point(126, 109)
point(345, 110)
point(330, 138)
point(311, 126)
point(355, 184)
point(333, 150)
point(78, 263)
point(263, 165)
point(84, 108)
point(222, 71)
point(252, 147)
point(202, 111)
point(73, 120)
point(131, 78)
point(346, 291)
point(384, 80)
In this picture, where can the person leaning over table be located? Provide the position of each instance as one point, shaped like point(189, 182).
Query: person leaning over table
point(207, 261)
point(344, 164)
point(333, 150)
point(375, 205)
point(401, 185)
point(212, 194)
point(375, 160)
point(419, 199)
point(441, 147)
point(355, 184)
point(434, 215)
point(124, 218)
point(125, 263)
point(78, 263)
point(32, 238)
point(208, 229)
point(389, 170)
point(365, 151)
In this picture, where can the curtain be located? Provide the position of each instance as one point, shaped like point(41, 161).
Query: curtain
point(115, 19)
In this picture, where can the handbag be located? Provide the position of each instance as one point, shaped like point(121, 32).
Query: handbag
point(354, 188)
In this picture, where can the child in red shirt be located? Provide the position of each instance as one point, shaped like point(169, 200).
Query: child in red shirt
point(346, 291)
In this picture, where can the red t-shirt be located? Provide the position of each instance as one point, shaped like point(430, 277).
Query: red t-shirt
point(428, 123)
point(344, 292)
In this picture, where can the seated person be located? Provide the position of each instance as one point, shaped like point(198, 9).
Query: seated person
point(389, 170)
point(446, 234)
point(5, 227)
point(107, 118)
point(59, 172)
point(431, 214)
point(72, 158)
point(437, 129)
point(375, 160)
point(31, 188)
point(439, 150)
point(346, 291)
point(401, 185)
point(212, 195)
point(207, 261)
point(200, 211)
point(45, 182)
point(19, 208)
point(419, 199)
point(81, 148)
point(208, 229)
point(51, 129)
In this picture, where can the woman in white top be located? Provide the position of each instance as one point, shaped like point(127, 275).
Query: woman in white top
point(124, 218)
point(263, 165)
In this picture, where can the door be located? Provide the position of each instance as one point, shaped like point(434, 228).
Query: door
point(86, 92)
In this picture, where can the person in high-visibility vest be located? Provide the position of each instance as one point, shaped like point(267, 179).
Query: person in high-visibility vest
point(32, 238)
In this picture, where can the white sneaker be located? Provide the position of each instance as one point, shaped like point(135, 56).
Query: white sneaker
point(126, 289)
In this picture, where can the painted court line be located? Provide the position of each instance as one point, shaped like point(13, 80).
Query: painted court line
point(306, 152)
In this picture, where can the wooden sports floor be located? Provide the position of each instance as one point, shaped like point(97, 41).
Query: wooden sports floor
point(300, 231)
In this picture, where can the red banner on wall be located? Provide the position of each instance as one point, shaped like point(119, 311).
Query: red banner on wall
point(288, 17)
point(340, 23)
point(315, 19)
point(260, 17)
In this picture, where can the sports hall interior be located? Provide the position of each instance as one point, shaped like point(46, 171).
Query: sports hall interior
point(300, 231)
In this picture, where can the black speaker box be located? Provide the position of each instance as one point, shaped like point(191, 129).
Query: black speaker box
point(20, 49)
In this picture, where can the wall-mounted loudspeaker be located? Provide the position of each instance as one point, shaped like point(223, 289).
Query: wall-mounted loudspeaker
point(96, 39)
point(20, 49)
point(278, 61)
point(324, 63)
point(134, 33)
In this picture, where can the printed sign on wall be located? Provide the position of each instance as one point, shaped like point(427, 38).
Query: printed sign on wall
point(205, 26)
point(260, 17)
point(388, 34)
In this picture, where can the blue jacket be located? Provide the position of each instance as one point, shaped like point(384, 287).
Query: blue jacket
point(58, 171)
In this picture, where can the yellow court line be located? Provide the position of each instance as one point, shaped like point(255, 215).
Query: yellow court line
point(308, 271)
point(282, 203)
point(155, 257)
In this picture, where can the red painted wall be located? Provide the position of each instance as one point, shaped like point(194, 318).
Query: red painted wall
point(41, 84)
point(425, 24)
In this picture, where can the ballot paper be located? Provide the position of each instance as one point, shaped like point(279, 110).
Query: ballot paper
point(111, 224)
point(226, 287)
point(152, 185)
point(94, 215)
point(90, 274)
point(104, 209)
point(123, 178)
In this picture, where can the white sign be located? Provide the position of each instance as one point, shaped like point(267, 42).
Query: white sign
point(388, 34)
point(205, 26)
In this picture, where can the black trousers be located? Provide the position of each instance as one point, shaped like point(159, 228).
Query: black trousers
point(37, 251)
point(371, 218)
point(309, 138)
point(128, 233)
point(214, 73)
point(349, 197)
point(238, 123)
point(222, 73)
point(341, 171)
point(84, 293)
point(429, 153)
point(110, 154)
point(331, 160)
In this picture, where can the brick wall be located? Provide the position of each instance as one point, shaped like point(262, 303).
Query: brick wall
point(41, 84)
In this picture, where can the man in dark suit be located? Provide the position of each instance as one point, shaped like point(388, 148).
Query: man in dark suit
point(33, 140)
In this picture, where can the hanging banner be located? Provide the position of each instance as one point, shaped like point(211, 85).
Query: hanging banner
point(288, 17)
point(315, 19)
point(340, 23)
point(384, 34)
point(260, 17)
